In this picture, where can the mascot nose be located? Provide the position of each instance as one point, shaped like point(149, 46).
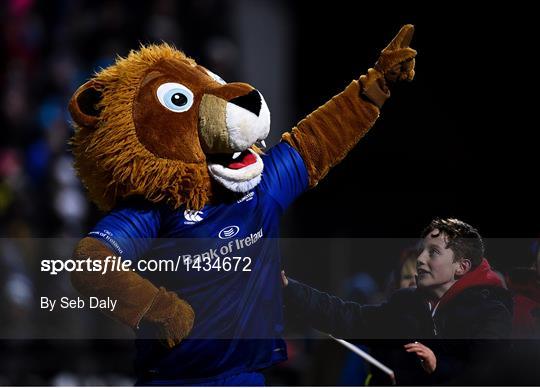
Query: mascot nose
point(250, 101)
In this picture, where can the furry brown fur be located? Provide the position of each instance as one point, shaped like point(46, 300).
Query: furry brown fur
point(326, 136)
point(111, 160)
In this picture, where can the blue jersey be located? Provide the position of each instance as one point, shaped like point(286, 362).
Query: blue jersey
point(238, 307)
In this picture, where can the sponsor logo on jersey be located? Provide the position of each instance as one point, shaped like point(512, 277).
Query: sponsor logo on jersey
point(246, 198)
point(228, 232)
point(192, 216)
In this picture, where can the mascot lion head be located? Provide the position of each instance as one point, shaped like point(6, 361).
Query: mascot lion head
point(159, 125)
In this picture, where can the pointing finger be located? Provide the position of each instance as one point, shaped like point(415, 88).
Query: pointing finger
point(403, 38)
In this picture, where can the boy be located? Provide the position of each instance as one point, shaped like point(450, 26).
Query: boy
point(458, 297)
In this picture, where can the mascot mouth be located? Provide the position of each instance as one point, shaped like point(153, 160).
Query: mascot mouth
point(235, 161)
point(230, 133)
point(239, 172)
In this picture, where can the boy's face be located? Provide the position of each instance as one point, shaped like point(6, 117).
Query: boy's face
point(435, 264)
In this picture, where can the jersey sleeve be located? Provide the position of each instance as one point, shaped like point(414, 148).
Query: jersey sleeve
point(128, 230)
point(285, 176)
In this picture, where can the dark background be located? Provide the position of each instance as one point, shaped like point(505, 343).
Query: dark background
point(461, 140)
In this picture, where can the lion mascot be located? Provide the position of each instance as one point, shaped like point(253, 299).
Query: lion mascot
point(175, 156)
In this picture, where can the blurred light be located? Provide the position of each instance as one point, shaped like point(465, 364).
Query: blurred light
point(70, 204)
point(19, 290)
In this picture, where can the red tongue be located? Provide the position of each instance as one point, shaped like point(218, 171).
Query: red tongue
point(246, 160)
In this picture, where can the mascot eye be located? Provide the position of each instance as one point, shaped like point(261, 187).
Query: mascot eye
point(175, 97)
point(216, 77)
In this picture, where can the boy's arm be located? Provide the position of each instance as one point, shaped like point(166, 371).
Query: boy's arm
point(330, 314)
point(325, 136)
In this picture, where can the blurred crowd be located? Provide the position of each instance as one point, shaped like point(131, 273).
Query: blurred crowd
point(50, 48)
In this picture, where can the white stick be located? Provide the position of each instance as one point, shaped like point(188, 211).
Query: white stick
point(367, 357)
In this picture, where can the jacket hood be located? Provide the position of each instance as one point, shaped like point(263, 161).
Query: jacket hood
point(482, 275)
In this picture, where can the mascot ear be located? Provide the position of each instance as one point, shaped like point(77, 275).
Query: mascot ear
point(83, 105)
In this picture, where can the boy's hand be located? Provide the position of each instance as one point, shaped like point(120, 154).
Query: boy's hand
point(284, 280)
point(426, 355)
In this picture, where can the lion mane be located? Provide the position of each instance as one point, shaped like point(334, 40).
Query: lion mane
point(109, 158)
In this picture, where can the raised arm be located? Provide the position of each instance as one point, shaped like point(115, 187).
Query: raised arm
point(330, 314)
point(326, 135)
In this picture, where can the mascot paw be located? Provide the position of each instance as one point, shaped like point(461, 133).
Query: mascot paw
point(396, 61)
point(374, 87)
point(173, 317)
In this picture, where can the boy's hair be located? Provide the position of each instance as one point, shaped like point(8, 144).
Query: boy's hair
point(463, 239)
